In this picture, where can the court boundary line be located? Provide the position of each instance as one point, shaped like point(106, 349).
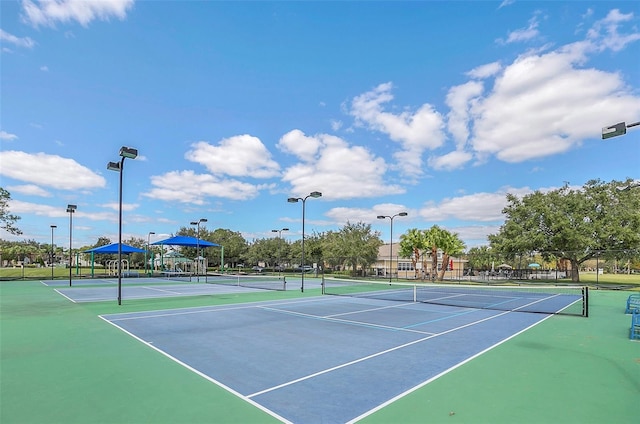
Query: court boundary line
point(380, 353)
point(329, 318)
point(265, 306)
point(447, 371)
point(201, 374)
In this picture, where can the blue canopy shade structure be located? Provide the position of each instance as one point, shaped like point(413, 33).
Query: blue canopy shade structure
point(113, 248)
point(185, 241)
point(534, 265)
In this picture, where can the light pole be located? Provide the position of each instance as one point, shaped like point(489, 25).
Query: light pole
point(618, 129)
point(125, 152)
point(279, 249)
point(315, 195)
point(145, 252)
point(197, 223)
point(71, 209)
point(52, 249)
point(391, 239)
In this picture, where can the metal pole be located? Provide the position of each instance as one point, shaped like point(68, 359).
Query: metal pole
point(52, 249)
point(70, 243)
point(315, 195)
point(391, 240)
point(120, 236)
point(145, 254)
point(304, 201)
point(71, 209)
point(198, 251)
point(391, 249)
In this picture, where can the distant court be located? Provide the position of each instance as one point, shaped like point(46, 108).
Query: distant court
point(105, 289)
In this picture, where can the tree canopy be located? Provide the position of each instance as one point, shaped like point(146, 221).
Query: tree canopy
point(572, 224)
point(7, 220)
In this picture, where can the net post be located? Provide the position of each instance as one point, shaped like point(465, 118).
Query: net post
point(585, 301)
point(322, 284)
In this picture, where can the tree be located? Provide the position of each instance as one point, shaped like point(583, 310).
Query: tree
point(450, 245)
point(354, 246)
point(573, 224)
point(7, 220)
point(411, 244)
point(433, 237)
point(480, 257)
point(235, 246)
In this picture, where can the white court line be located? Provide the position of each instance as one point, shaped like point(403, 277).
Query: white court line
point(209, 309)
point(435, 377)
point(64, 295)
point(374, 355)
point(201, 374)
point(346, 321)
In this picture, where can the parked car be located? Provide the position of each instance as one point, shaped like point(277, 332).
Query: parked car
point(278, 268)
point(257, 268)
point(307, 268)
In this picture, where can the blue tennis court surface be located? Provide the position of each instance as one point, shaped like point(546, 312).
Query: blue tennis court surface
point(323, 359)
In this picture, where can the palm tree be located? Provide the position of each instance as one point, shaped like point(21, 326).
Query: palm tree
point(411, 244)
point(450, 245)
point(433, 237)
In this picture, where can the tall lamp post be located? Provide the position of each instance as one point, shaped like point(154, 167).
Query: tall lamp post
point(197, 224)
point(145, 253)
point(125, 153)
point(391, 239)
point(315, 195)
point(52, 249)
point(279, 250)
point(71, 209)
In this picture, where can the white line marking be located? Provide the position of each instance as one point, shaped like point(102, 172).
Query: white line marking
point(190, 368)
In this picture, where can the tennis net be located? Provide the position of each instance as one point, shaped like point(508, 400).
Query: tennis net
point(547, 299)
point(184, 277)
point(265, 282)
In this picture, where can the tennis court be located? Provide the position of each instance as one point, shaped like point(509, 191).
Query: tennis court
point(284, 356)
point(106, 289)
point(276, 356)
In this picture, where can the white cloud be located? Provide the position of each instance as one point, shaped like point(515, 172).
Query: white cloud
point(543, 105)
point(19, 208)
point(415, 131)
point(341, 215)
point(49, 12)
point(546, 102)
point(239, 156)
point(7, 136)
point(297, 143)
point(606, 32)
point(44, 68)
point(485, 71)
point(48, 170)
point(125, 206)
point(29, 190)
point(483, 207)
point(450, 161)
point(459, 99)
point(16, 41)
point(524, 34)
point(335, 168)
point(189, 187)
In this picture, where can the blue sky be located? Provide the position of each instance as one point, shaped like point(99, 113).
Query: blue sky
point(434, 108)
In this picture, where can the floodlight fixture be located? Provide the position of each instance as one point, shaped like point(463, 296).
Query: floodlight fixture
point(128, 152)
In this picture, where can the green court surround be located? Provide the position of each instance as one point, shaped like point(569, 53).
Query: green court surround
point(60, 363)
